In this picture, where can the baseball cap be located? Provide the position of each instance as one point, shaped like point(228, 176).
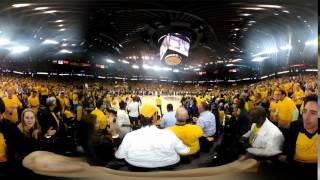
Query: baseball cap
point(148, 110)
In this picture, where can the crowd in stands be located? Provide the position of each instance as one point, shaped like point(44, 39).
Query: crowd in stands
point(274, 119)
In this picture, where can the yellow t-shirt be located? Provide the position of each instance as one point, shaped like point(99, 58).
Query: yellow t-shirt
point(264, 94)
point(10, 114)
point(68, 114)
point(34, 103)
point(63, 102)
point(298, 94)
point(189, 135)
point(288, 87)
point(75, 99)
point(158, 101)
point(198, 100)
point(306, 149)
point(3, 149)
point(273, 110)
point(101, 118)
point(285, 110)
point(79, 113)
point(253, 134)
point(44, 91)
point(221, 116)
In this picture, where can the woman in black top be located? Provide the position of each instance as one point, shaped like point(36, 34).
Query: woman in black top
point(29, 134)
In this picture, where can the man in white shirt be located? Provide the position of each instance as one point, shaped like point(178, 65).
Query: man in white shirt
point(150, 148)
point(123, 121)
point(265, 139)
point(133, 109)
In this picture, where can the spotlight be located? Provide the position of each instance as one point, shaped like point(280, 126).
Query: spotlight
point(65, 51)
point(4, 41)
point(50, 41)
point(110, 61)
point(18, 49)
point(20, 5)
point(41, 8)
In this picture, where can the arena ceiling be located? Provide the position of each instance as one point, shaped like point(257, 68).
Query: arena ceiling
point(228, 38)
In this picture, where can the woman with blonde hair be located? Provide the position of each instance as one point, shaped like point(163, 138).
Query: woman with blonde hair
point(29, 134)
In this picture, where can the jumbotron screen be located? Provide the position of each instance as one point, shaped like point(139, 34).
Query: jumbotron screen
point(176, 44)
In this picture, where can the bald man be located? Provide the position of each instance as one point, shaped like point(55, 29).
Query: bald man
point(187, 133)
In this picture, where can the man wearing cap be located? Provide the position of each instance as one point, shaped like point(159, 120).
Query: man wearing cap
point(150, 148)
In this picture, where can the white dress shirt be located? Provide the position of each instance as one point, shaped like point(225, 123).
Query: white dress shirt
point(123, 118)
point(151, 147)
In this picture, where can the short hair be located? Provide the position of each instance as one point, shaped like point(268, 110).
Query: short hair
point(205, 105)
point(310, 98)
point(282, 92)
point(51, 101)
point(259, 111)
point(169, 107)
point(122, 105)
point(99, 103)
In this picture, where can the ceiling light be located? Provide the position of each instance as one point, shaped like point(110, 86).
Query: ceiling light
point(4, 41)
point(50, 41)
point(145, 66)
point(285, 11)
point(41, 8)
point(269, 6)
point(199, 65)
point(65, 51)
point(64, 44)
point(253, 8)
point(228, 65)
point(50, 12)
point(276, 14)
point(176, 70)
point(286, 47)
point(166, 69)
point(245, 14)
point(59, 21)
point(135, 67)
point(125, 62)
point(259, 59)
point(110, 61)
point(156, 68)
point(231, 50)
point(252, 21)
point(235, 60)
point(60, 25)
point(312, 42)
point(18, 49)
point(20, 5)
point(267, 51)
point(73, 44)
point(236, 29)
point(62, 29)
point(64, 39)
